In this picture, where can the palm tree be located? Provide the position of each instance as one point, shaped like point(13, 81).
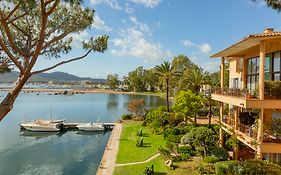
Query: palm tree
point(195, 77)
point(166, 71)
point(274, 4)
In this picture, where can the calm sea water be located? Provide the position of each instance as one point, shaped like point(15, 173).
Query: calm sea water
point(73, 152)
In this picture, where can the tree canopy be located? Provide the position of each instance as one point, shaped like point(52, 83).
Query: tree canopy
point(166, 71)
point(274, 4)
point(112, 81)
point(187, 105)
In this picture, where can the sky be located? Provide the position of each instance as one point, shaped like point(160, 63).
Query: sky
point(148, 32)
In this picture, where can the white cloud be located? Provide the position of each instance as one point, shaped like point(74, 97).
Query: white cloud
point(112, 3)
point(99, 24)
point(204, 48)
point(159, 23)
point(212, 66)
point(142, 26)
point(259, 3)
point(78, 38)
point(129, 9)
point(188, 43)
point(147, 3)
point(133, 43)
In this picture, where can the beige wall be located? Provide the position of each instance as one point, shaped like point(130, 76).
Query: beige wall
point(234, 71)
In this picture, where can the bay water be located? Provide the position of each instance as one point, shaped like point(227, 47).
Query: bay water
point(70, 153)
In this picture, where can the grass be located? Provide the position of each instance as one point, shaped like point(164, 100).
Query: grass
point(158, 164)
point(129, 152)
point(160, 168)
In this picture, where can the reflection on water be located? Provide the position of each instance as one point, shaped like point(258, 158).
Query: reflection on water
point(38, 135)
point(91, 133)
point(72, 152)
point(112, 101)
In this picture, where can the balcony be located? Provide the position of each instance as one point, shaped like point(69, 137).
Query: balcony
point(245, 129)
point(242, 98)
point(247, 134)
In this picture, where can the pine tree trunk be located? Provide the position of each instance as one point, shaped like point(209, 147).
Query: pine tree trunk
point(7, 104)
point(167, 95)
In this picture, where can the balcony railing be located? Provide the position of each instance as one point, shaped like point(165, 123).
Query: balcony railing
point(242, 93)
point(269, 137)
point(246, 129)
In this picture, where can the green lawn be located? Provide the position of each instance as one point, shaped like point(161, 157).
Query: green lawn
point(158, 164)
point(159, 168)
point(129, 152)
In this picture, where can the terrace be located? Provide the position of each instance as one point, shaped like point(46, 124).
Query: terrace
point(243, 98)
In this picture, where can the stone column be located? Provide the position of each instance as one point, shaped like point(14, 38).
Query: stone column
point(261, 70)
point(222, 72)
point(261, 97)
point(221, 104)
point(221, 130)
point(260, 134)
point(236, 122)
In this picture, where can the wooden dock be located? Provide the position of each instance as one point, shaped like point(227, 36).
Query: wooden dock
point(73, 126)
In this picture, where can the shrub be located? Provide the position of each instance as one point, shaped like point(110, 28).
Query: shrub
point(206, 169)
point(185, 156)
point(200, 152)
point(247, 167)
point(164, 152)
point(174, 138)
point(211, 159)
point(137, 106)
point(127, 116)
point(261, 167)
point(149, 170)
point(157, 119)
point(185, 150)
point(139, 142)
point(220, 153)
point(226, 167)
point(139, 133)
point(201, 138)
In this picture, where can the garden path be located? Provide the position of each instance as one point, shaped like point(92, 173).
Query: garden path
point(134, 163)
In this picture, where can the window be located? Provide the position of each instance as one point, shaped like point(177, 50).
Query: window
point(272, 69)
point(252, 77)
point(267, 67)
point(276, 66)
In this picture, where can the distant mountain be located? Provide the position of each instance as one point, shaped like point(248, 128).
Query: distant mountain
point(60, 77)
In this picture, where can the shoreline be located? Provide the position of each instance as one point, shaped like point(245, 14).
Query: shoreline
point(89, 91)
point(107, 164)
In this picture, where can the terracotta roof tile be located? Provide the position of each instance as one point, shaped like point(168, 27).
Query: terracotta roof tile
point(249, 37)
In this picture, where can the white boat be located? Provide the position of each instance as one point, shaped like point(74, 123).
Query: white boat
point(43, 125)
point(91, 127)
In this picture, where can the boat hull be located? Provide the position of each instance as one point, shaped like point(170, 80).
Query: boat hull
point(41, 128)
point(91, 127)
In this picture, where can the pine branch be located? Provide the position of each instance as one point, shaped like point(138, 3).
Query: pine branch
point(61, 63)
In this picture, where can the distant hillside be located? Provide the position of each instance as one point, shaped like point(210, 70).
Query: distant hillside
point(46, 77)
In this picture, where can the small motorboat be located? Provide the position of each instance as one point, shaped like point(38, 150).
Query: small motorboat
point(91, 127)
point(41, 125)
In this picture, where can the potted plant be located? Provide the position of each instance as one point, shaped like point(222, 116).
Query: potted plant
point(256, 92)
